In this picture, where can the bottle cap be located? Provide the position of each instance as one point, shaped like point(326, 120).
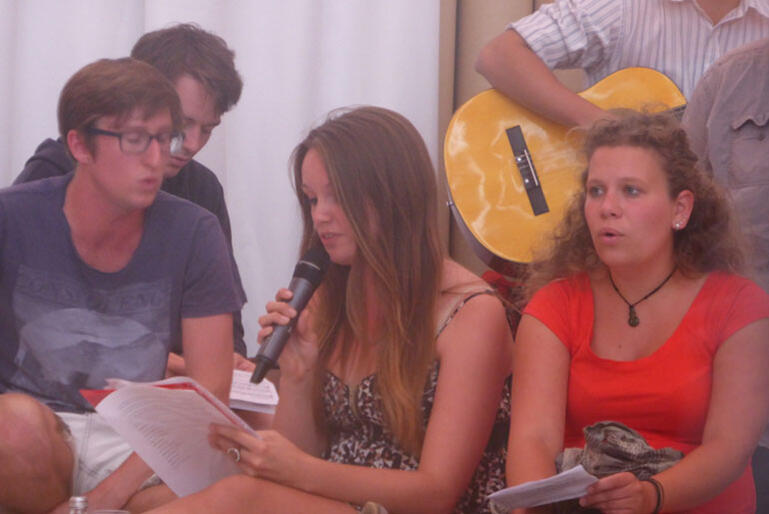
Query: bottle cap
point(78, 502)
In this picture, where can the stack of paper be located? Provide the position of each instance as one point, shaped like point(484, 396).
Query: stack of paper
point(246, 395)
point(572, 483)
point(167, 423)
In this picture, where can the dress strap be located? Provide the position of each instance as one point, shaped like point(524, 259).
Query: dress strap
point(458, 306)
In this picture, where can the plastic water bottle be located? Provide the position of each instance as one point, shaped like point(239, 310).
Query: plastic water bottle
point(78, 505)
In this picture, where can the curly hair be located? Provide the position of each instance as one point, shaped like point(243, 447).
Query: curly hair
point(707, 243)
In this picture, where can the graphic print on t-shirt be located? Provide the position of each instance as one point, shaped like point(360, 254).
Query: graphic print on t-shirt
point(73, 337)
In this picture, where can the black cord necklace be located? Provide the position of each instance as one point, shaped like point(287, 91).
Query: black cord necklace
point(632, 317)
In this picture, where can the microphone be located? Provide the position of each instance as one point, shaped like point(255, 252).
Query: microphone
point(308, 274)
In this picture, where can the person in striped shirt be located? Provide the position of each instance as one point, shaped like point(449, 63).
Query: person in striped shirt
point(680, 38)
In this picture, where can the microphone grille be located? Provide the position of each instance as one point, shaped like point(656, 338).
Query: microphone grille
point(313, 264)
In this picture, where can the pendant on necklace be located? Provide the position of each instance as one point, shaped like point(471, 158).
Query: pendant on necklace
point(632, 317)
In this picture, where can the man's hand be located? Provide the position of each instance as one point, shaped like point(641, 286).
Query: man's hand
point(241, 363)
point(116, 489)
point(176, 366)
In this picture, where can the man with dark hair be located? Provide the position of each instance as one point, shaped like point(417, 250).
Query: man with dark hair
point(202, 69)
point(101, 274)
point(186, 49)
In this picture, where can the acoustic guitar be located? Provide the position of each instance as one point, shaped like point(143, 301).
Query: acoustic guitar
point(511, 173)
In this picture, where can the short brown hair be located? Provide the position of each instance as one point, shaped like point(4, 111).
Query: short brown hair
point(188, 49)
point(709, 241)
point(115, 87)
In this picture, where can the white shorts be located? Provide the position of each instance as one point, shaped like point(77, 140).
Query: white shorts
point(98, 450)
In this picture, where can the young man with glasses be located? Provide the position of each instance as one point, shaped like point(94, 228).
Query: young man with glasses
point(101, 274)
point(202, 69)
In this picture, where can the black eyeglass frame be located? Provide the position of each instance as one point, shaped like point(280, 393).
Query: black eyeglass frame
point(174, 142)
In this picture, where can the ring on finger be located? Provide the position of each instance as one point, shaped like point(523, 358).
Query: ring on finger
point(234, 453)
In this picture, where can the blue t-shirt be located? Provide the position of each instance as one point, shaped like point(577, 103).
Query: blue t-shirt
point(65, 326)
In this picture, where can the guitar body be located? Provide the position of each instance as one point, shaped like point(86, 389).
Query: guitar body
point(494, 206)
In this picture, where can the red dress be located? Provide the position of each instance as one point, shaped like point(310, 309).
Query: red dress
point(666, 395)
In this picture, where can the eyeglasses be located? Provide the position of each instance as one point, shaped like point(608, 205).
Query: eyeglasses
point(137, 141)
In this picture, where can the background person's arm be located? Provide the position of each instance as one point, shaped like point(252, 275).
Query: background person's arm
point(516, 71)
point(207, 344)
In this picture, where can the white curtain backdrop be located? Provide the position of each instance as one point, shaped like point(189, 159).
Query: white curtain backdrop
point(298, 58)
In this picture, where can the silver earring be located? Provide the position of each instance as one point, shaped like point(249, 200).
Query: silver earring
point(677, 225)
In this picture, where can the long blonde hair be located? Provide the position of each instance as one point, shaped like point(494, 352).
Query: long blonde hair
point(383, 178)
point(709, 241)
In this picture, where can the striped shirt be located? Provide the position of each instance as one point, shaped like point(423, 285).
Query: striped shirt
point(674, 37)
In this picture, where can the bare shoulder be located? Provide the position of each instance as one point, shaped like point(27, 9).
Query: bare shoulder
point(457, 284)
point(480, 319)
point(455, 278)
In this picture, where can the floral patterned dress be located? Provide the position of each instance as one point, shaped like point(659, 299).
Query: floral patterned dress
point(358, 434)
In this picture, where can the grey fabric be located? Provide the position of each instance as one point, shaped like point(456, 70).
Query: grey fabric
point(727, 121)
point(611, 447)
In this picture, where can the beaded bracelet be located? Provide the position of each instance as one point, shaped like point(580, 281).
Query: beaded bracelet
point(660, 494)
